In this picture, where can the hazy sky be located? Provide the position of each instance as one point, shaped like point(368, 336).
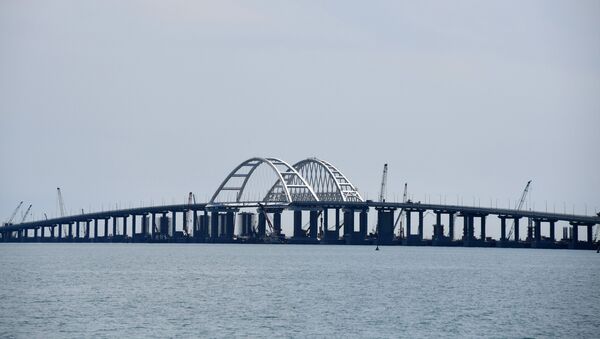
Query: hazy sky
point(129, 101)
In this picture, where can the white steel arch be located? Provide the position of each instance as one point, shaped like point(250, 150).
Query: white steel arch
point(329, 183)
point(290, 185)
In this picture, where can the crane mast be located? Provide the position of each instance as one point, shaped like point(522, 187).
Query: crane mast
point(382, 192)
point(61, 203)
point(401, 214)
point(26, 213)
point(14, 213)
point(519, 206)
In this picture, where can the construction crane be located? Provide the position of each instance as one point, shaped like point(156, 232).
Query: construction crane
point(14, 213)
point(26, 213)
point(61, 203)
point(519, 206)
point(382, 192)
point(401, 214)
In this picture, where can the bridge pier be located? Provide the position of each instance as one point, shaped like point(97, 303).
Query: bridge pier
point(482, 232)
point(408, 225)
point(385, 225)
point(314, 224)
point(77, 230)
point(125, 227)
point(325, 236)
point(262, 224)
point(516, 235)
point(114, 229)
point(363, 224)
point(133, 227)
point(277, 222)
point(298, 233)
point(502, 228)
point(421, 225)
point(173, 224)
point(349, 225)
point(70, 234)
point(105, 235)
point(214, 225)
point(552, 237)
point(438, 228)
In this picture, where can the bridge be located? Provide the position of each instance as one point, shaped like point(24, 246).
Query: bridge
point(249, 210)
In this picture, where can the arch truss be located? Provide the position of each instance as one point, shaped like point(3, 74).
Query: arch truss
point(329, 183)
point(290, 185)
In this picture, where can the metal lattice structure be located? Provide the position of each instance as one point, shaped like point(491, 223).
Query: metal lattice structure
point(290, 185)
point(329, 183)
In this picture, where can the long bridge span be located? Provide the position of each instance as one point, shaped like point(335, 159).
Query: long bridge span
point(242, 210)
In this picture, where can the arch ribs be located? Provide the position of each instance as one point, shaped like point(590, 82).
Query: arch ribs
point(290, 185)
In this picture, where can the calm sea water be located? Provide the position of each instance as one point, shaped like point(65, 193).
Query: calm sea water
point(201, 290)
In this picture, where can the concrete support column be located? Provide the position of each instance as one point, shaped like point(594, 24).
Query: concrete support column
point(77, 230)
point(87, 229)
point(43, 231)
point(277, 222)
point(465, 228)
point(325, 222)
point(552, 237)
point(575, 233)
point(517, 229)
point(185, 223)
point(385, 226)
point(133, 225)
point(106, 227)
point(537, 231)
point(153, 226)
point(314, 224)
point(114, 230)
point(229, 224)
point(195, 222)
point(262, 224)
point(363, 224)
point(451, 226)
point(36, 232)
point(144, 225)
point(348, 223)
point(420, 225)
point(408, 225)
point(70, 231)
point(214, 225)
point(52, 231)
point(298, 224)
point(502, 228)
point(437, 228)
point(174, 224)
point(482, 233)
point(590, 238)
point(337, 220)
point(125, 226)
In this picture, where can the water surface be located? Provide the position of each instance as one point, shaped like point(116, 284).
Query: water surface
point(191, 290)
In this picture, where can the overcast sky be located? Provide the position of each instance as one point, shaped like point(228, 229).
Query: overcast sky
point(129, 101)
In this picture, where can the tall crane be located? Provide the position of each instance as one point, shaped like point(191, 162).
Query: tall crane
point(383, 190)
point(61, 203)
point(401, 214)
point(26, 213)
point(12, 216)
point(519, 206)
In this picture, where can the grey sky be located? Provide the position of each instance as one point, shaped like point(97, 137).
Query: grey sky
point(135, 101)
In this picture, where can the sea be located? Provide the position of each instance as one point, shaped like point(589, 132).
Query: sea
point(296, 291)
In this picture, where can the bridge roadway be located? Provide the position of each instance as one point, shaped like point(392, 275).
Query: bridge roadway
point(217, 224)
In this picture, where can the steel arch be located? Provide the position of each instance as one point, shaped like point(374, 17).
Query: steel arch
point(290, 185)
point(329, 183)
